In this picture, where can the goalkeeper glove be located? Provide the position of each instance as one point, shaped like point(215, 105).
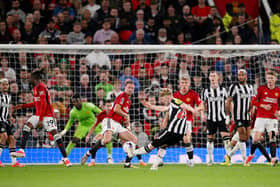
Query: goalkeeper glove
point(62, 133)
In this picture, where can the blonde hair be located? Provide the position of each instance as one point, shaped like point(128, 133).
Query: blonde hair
point(165, 92)
point(271, 72)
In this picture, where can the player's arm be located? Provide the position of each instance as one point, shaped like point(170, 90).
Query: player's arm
point(256, 101)
point(95, 109)
point(93, 127)
point(26, 105)
point(69, 124)
point(43, 106)
point(155, 107)
point(164, 121)
point(118, 110)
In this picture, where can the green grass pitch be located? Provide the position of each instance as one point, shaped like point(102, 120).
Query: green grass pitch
point(117, 176)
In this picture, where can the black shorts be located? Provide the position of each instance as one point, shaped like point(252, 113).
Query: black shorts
point(242, 123)
point(6, 127)
point(213, 126)
point(166, 138)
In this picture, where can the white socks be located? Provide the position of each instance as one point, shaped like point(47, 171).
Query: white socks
point(210, 149)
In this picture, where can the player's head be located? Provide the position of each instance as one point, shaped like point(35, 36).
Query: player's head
point(271, 78)
point(166, 94)
point(76, 101)
point(4, 85)
point(213, 77)
point(129, 87)
point(36, 77)
point(242, 76)
point(108, 105)
point(184, 84)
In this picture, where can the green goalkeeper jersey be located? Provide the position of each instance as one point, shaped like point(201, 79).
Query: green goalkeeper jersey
point(85, 116)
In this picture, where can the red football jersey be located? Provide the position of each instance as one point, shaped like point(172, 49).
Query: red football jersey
point(267, 96)
point(125, 102)
point(190, 98)
point(100, 117)
point(41, 101)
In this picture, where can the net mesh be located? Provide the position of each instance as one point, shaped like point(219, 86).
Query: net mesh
point(99, 74)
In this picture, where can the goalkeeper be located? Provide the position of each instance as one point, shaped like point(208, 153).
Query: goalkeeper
point(85, 113)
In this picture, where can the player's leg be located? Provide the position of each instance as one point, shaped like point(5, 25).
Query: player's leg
point(159, 158)
point(257, 137)
point(30, 124)
point(139, 157)
point(50, 125)
point(272, 129)
point(80, 133)
point(3, 139)
point(212, 129)
point(125, 136)
point(188, 143)
point(225, 135)
point(13, 155)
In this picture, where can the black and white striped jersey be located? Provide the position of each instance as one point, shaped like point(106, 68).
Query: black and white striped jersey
point(177, 118)
point(5, 100)
point(215, 99)
point(241, 96)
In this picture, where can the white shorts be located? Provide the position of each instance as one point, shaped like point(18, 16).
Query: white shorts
point(109, 124)
point(188, 127)
point(265, 123)
point(49, 123)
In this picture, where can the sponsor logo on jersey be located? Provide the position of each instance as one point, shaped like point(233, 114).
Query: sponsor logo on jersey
point(270, 100)
point(36, 99)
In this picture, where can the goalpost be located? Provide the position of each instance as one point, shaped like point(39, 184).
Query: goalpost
point(96, 71)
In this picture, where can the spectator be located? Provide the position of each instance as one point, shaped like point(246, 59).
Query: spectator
point(160, 59)
point(76, 37)
point(4, 34)
point(16, 9)
point(103, 34)
point(38, 25)
point(190, 27)
point(196, 83)
point(10, 24)
point(117, 67)
point(125, 30)
point(140, 62)
point(139, 25)
point(63, 25)
point(237, 40)
point(100, 98)
point(14, 90)
point(61, 89)
point(78, 9)
point(207, 24)
point(143, 78)
point(150, 29)
point(115, 20)
point(54, 76)
point(8, 71)
point(104, 84)
point(88, 40)
point(201, 11)
point(171, 13)
point(244, 30)
point(229, 77)
point(89, 26)
point(63, 38)
point(92, 7)
point(115, 39)
point(162, 36)
point(85, 90)
point(142, 138)
point(116, 92)
point(229, 18)
point(51, 33)
point(103, 12)
point(16, 37)
point(140, 37)
point(165, 78)
point(128, 76)
point(24, 83)
point(61, 7)
point(128, 13)
point(28, 35)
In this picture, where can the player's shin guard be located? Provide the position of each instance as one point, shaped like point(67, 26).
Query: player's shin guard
point(263, 151)
point(161, 152)
point(210, 149)
point(109, 148)
point(13, 155)
point(142, 150)
point(189, 149)
point(25, 135)
point(1, 149)
point(234, 149)
point(272, 149)
point(226, 140)
point(58, 139)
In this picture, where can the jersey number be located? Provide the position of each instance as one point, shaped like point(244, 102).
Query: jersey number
point(182, 115)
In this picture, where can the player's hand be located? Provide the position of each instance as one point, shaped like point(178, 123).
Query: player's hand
point(127, 119)
point(203, 117)
point(17, 107)
point(266, 107)
point(128, 127)
point(40, 124)
point(62, 133)
point(277, 114)
point(87, 138)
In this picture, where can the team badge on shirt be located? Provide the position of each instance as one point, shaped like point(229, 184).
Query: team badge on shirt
point(265, 93)
point(87, 112)
point(188, 99)
point(276, 94)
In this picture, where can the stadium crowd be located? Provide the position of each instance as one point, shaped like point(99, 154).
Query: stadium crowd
point(127, 22)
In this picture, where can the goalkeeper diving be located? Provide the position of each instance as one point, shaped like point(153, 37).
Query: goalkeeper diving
point(85, 113)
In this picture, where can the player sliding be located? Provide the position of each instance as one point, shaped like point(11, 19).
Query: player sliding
point(240, 94)
point(175, 125)
point(267, 101)
point(97, 129)
point(112, 124)
point(44, 116)
point(84, 113)
point(214, 98)
point(7, 129)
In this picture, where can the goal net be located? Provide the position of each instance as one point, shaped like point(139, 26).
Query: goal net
point(98, 73)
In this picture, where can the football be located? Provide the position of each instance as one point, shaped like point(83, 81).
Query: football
point(129, 148)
